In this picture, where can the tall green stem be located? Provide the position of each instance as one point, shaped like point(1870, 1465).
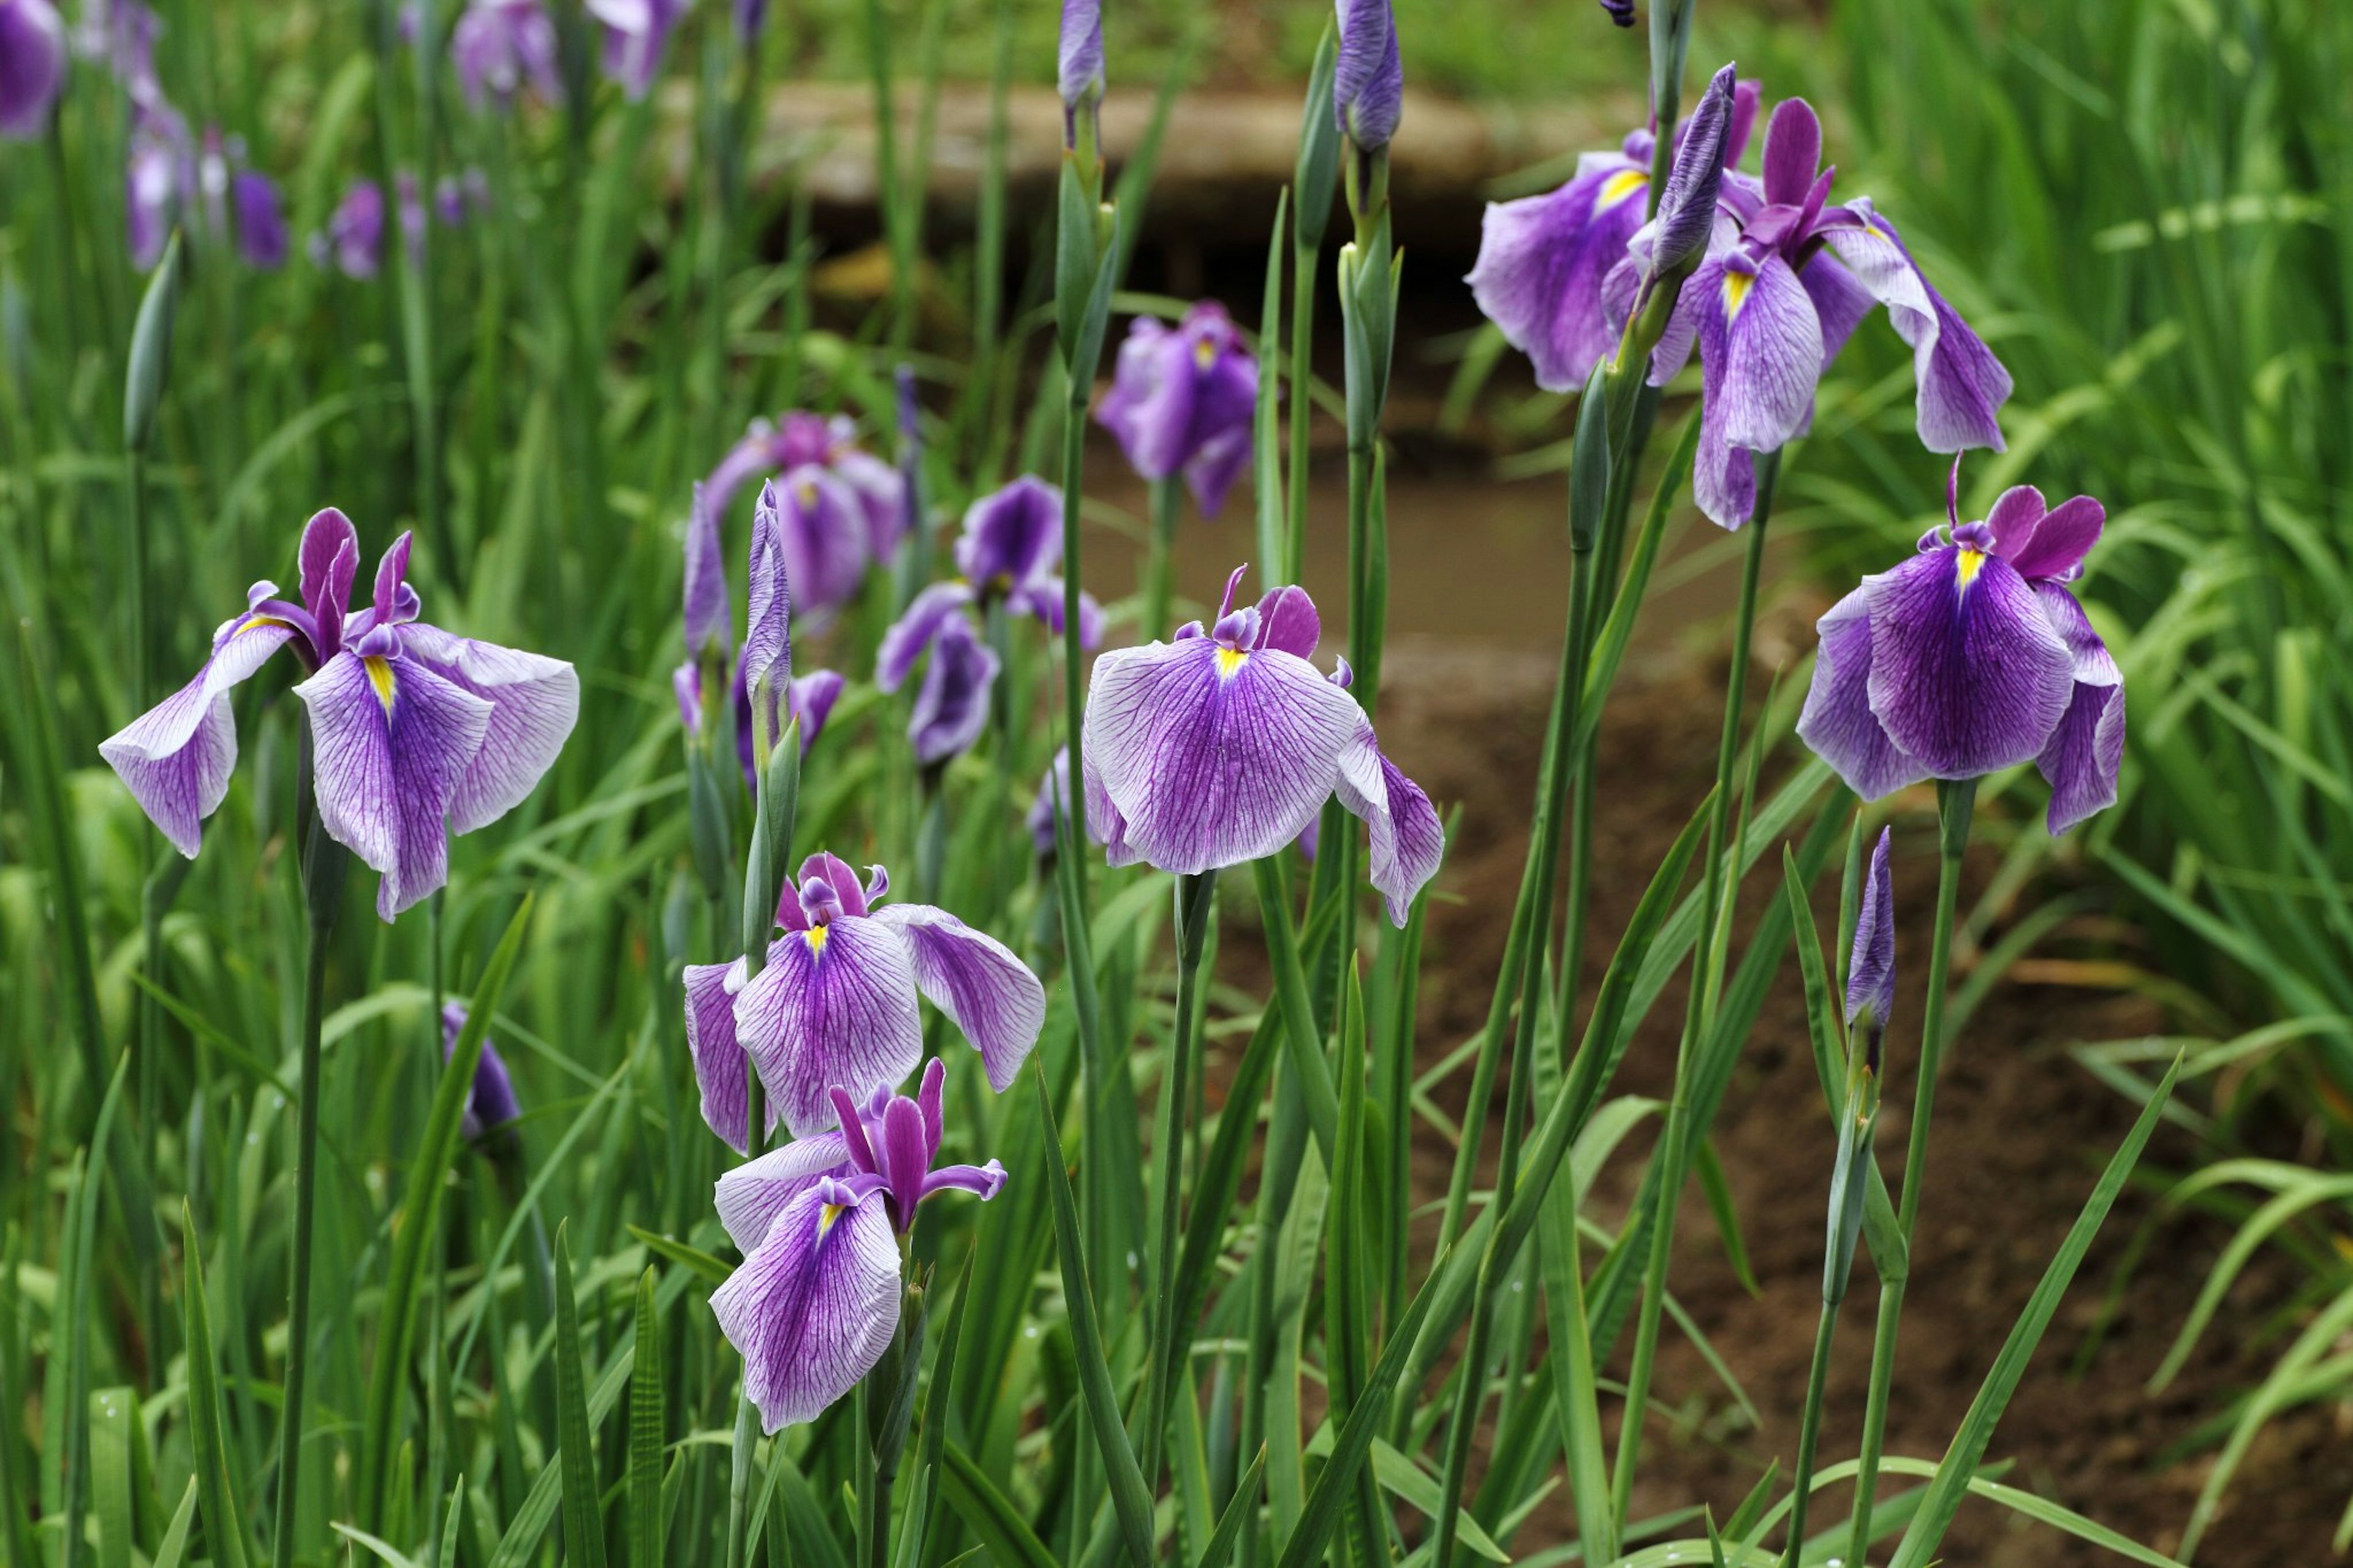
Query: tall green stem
point(1955, 804)
point(1193, 894)
point(1809, 1432)
point(1304, 257)
point(1167, 504)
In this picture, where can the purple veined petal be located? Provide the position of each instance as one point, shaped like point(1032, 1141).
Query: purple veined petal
point(490, 1101)
point(1105, 825)
point(1962, 384)
point(175, 759)
point(1839, 302)
point(534, 701)
point(1837, 722)
point(823, 530)
point(1287, 622)
point(906, 1158)
point(391, 743)
point(928, 1096)
point(2086, 751)
point(710, 618)
point(1011, 536)
point(814, 1307)
point(1368, 80)
point(32, 64)
point(751, 1195)
point(1871, 970)
point(391, 573)
point(1543, 260)
point(330, 563)
point(262, 237)
point(1768, 342)
point(1745, 98)
point(2045, 545)
point(951, 708)
point(1967, 674)
point(1079, 74)
point(835, 1006)
point(1793, 152)
point(1212, 756)
point(721, 1071)
point(977, 981)
point(916, 630)
point(1408, 840)
point(881, 492)
point(810, 699)
point(983, 1182)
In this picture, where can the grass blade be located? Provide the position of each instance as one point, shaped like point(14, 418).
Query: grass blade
point(224, 1514)
point(987, 1513)
point(646, 1433)
point(583, 1533)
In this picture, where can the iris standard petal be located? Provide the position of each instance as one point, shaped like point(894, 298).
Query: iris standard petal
point(749, 1197)
point(1838, 722)
point(1211, 756)
point(1149, 409)
point(2045, 544)
point(1408, 840)
point(1839, 302)
point(175, 759)
point(1542, 261)
point(977, 981)
point(534, 702)
point(329, 562)
point(835, 1005)
point(1967, 674)
point(1011, 535)
point(2086, 751)
point(1962, 385)
point(916, 629)
point(814, 1306)
point(1288, 621)
point(1871, 968)
point(1793, 151)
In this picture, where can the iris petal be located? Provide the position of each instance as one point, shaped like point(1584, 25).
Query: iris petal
point(1967, 674)
point(977, 981)
point(175, 759)
point(833, 1010)
point(534, 702)
point(814, 1306)
point(2086, 751)
point(1838, 722)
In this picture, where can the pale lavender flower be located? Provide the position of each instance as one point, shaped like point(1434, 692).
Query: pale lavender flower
point(635, 31)
point(121, 33)
point(159, 177)
point(31, 66)
point(460, 197)
point(815, 1302)
point(416, 733)
point(353, 241)
point(1182, 400)
point(836, 1007)
point(500, 47)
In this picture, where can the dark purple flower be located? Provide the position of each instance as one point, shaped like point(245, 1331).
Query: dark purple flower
point(1972, 657)
point(1542, 260)
point(1871, 969)
point(1078, 76)
point(31, 66)
point(415, 734)
point(710, 617)
point(498, 45)
point(634, 33)
point(1621, 12)
point(1182, 399)
point(951, 707)
point(836, 1007)
point(260, 220)
point(815, 1302)
point(1220, 747)
point(353, 237)
point(490, 1103)
point(1369, 81)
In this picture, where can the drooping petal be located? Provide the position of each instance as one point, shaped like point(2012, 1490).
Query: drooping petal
point(2045, 544)
point(1967, 674)
point(814, 1307)
point(1213, 469)
point(721, 1071)
point(1838, 722)
point(1043, 598)
point(835, 1005)
point(391, 745)
point(1105, 825)
point(977, 981)
point(534, 702)
point(1871, 969)
point(881, 493)
point(1408, 840)
point(175, 759)
point(1213, 757)
point(951, 708)
point(1149, 408)
point(1962, 385)
point(2086, 751)
point(1542, 261)
point(1011, 535)
point(1769, 342)
point(915, 630)
point(749, 1197)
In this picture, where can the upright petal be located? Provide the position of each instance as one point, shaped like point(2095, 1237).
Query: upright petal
point(391, 742)
point(951, 708)
point(1369, 81)
point(175, 759)
point(710, 618)
point(750, 1195)
point(1288, 621)
point(1542, 261)
point(1871, 969)
point(810, 698)
point(534, 702)
point(835, 1006)
point(1838, 722)
point(977, 981)
point(1686, 214)
point(2045, 544)
point(814, 1307)
point(1793, 152)
point(2086, 751)
point(881, 492)
point(1962, 385)
point(767, 654)
point(328, 561)
point(1967, 674)
point(1213, 757)
point(1408, 840)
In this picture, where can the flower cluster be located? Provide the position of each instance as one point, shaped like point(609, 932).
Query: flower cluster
point(839, 509)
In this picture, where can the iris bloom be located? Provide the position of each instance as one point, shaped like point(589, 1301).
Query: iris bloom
point(711, 642)
point(1368, 80)
point(1182, 400)
point(32, 64)
point(498, 45)
point(1974, 656)
point(490, 1101)
point(353, 237)
point(414, 733)
point(1542, 260)
point(634, 33)
point(1010, 553)
point(843, 508)
point(259, 220)
point(1219, 748)
point(815, 1302)
point(835, 1006)
point(1079, 73)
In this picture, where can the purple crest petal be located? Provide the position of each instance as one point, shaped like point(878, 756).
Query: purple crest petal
point(262, 237)
point(1543, 260)
point(1838, 722)
point(977, 981)
point(1962, 385)
point(329, 562)
point(32, 64)
point(1408, 840)
point(2045, 544)
point(1793, 152)
point(710, 618)
point(177, 758)
point(2086, 751)
point(906, 1158)
point(1011, 536)
point(823, 529)
point(534, 701)
point(391, 742)
point(721, 1071)
point(1967, 674)
point(916, 630)
point(1839, 302)
point(1211, 757)
point(813, 1307)
point(1368, 80)
point(751, 1195)
point(833, 1010)
point(951, 707)
point(1871, 970)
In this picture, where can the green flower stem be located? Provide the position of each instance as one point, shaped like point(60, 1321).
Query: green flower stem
point(1168, 1337)
point(1167, 505)
point(1810, 1431)
point(1707, 979)
point(1955, 804)
point(1304, 257)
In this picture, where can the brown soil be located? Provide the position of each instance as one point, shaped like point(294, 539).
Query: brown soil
point(2019, 1134)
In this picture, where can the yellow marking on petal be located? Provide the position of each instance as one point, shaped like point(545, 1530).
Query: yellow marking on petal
point(826, 1215)
point(1205, 352)
point(808, 492)
point(250, 622)
point(379, 674)
point(1618, 187)
point(816, 935)
point(1230, 660)
point(1970, 564)
point(1736, 286)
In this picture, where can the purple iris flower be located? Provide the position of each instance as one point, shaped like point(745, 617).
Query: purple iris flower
point(1369, 81)
point(32, 64)
point(260, 219)
point(634, 33)
point(852, 513)
point(416, 733)
point(1218, 748)
point(490, 1103)
point(1542, 260)
point(353, 237)
point(1787, 278)
point(1182, 400)
point(1079, 74)
point(1974, 656)
point(122, 34)
point(815, 1302)
point(460, 197)
point(1621, 12)
point(836, 1007)
point(501, 46)
point(1871, 969)
point(711, 637)
point(155, 175)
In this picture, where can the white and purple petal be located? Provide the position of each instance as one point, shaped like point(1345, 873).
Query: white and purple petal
point(749, 1197)
point(977, 981)
point(814, 1306)
point(1838, 722)
point(1408, 840)
point(721, 1072)
point(1962, 384)
point(951, 707)
point(822, 528)
point(1966, 673)
point(1769, 342)
point(836, 1007)
point(534, 702)
point(1542, 260)
point(916, 629)
point(177, 758)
